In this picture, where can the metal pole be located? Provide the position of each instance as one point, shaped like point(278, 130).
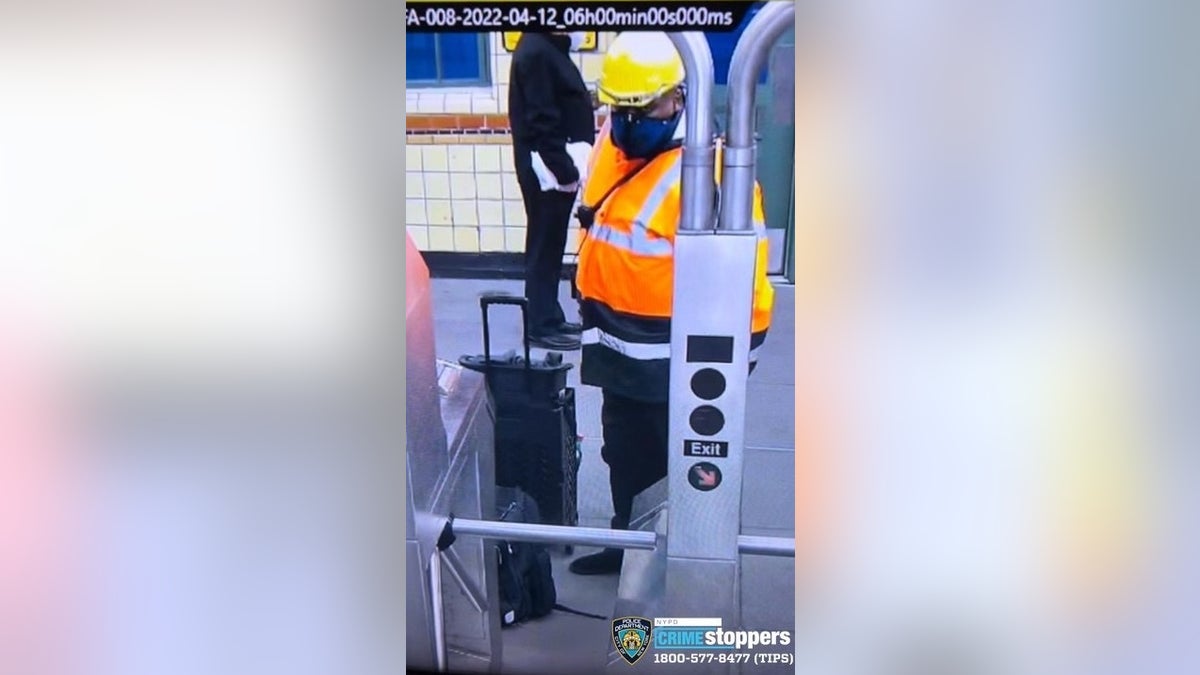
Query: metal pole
point(439, 619)
point(769, 546)
point(738, 156)
point(696, 178)
point(556, 534)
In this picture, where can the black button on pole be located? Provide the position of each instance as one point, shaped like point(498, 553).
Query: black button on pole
point(707, 420)
point(708, 384)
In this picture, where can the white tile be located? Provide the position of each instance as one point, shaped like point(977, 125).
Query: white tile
point(431, 103)
point(461, 158)
point(414, 184)
point(420, 236)
point(458, 103)
point(434, 158)
point(487, 158)
point(414, 212)
point(491, 239)
point(488, 186)
point(512, 189)
point(491, 212)
point(441, 239)
point(438, 211)
point(482, 105)
point(464, 212)
point(503, 68)
point(503, 98)
point(412, 157)
point(514, 214)
point(462, 186)
point(514, 239)
point(506, 157)
point(437, 186)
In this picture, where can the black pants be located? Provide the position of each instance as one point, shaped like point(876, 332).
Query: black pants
point(635, 449)
point(547, 215)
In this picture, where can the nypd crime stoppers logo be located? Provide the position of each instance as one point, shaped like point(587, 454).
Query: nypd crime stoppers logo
point(631, 636)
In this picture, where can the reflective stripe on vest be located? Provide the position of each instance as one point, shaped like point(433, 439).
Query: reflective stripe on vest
point(638, 240)
point(641, 351)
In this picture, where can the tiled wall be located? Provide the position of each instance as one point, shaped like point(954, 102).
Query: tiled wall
point(461, 190)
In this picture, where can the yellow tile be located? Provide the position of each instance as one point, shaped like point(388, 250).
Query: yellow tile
point(435, 158)
point(465, 212)
point(462, 185)
point(438, 212)
point(491, 239)
point(514, 239)
point(414, 212)
point(412, 157)
point(514, 214)
point(420, 236)
point(466, 239)
point(481, 105)
point(462, 158)
point(488, 186)
point(512, 189)
point(491, 212)
point(418, 140)
point(458, 103)
point(441, 239)
point(414, 184)
point(437, 185)
point(447, 139)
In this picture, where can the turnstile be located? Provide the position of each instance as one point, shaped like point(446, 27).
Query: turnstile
point(450, 470)
point(683, 548)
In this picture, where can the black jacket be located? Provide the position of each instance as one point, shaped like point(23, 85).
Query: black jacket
point(548, 103)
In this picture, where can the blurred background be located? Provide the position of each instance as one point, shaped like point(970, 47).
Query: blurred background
point(995, 279)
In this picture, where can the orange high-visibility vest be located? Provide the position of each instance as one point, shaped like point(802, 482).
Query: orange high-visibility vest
point(626, 272)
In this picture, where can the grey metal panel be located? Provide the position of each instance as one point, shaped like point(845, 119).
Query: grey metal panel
point(720, 269)
point(419, 630)
point(467, 490)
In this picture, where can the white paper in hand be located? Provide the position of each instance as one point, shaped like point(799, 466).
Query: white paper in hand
point(579, 153)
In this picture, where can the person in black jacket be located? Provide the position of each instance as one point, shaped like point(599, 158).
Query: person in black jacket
point(549, 106)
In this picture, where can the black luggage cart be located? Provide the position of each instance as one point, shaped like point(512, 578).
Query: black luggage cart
point(537, 443)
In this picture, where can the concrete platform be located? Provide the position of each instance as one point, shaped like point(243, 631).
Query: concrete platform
point(565, 643)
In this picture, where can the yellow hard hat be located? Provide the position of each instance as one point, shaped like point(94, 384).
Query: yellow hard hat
point(638, 68)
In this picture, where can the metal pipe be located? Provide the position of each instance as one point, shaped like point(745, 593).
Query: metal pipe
point(738, 155)
point(697, 187)
point(771, 546)
point(556, 534)
point(454, 566)
point(439, 618)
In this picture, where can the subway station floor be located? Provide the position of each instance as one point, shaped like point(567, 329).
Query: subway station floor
point(564, 642)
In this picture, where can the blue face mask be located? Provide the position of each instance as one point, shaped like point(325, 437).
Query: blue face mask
point(642, 137)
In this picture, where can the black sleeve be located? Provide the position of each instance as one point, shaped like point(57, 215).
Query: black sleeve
point(543, 119)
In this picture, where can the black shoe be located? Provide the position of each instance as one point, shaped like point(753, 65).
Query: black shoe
point(568, 327)
point(607, 561)
point(558, 342)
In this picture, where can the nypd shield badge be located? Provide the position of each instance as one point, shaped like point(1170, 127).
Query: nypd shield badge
point(631, 637)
